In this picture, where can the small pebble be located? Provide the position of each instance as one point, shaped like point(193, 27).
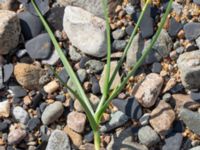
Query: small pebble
point(4, 109)
point(20, 115)
point(51, 87)
point(16, 136)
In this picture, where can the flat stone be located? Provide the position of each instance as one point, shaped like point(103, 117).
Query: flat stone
point(117, 119)
point(130, 107)
point(123, 140)
point(148, 136)
point(81, 75)
point(7, 71)
point(63, 75)
point(94, 66)
point(95, 7)
point(9, 31)
point(80, 25)
point(192, 30)
point(20, 115)
point(17, 91)
point(174, 141)
point(4, 109)
point(28, 75)
point(119, 44)
point(149, 90)
point(30, 24)
point(144, 120)
point(118, 34)
point(191, 119)
point(74, 137)
point(52, 112)
point(39, 47)
point(174, 27)
point(59, 141)
point(117, 79)
point(76, 121)
point(162, 118)
point(189, 66)
point(52, 60)
point(16, 136)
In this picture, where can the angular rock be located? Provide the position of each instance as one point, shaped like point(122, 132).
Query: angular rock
point(39, 47)
point(189, 66)
point(147, 93)
point(52, 60)
point(117, 119)
point(59, 141)
point(74, 54)
point(16, 136)
point(4, 109)
point(17, 91)
point(95, 7)
point(85, 31)
point(28, 75)
point(117, 79)
point(174, 141)
point(63, 75)
point(174, 27)
point(130, 107)
point(191, 119)
point(192, 30)
point(162, 118)
point(7, 70)
point(94, 66)
point(9, 31)
point(20, 115)
point(81, 75)
point(76, 121)
point(148, 136)
point(198, 42)
point(52, 112)
point(119, 44)
point(30, 24)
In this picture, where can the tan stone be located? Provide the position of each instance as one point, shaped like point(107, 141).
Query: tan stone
point(162, 118)
point(51, 87)
point(4, 109)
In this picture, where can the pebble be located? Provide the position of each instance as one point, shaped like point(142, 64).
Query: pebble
point(192, 30)
point(61, 98)
point(195, 148)
point(156, 67)
point(9, 31)
point(7, 71)
point(129, 9)
point(52, 60)
point(78, 106)
point(9, 5)
point(17, 91)
point(125, 137)
point(129, 29)
point(36, 100)
point(20, 115)
point(148, 136)
point(118, 34)
point(149, 90)
point(81, 75)
point(76, 121)
point(4, 126)
point(174, 141)
point(162, 118)
point(195, 96)
point(85, 28)
point(39, 47)
point(88, 137)
point(94, 100)
point(130, 107)
point(94, 66)
point(59, 141)
point(191, 119)
point(28, 75)
point(117, 119)
point(117, 79)
point(63, 75)
point(167, 97)
point(144, 120)
point(4, 109)
point(33, 124)
point(52, 112)
point(1, 78)
point(74, 137)
point(180, 50)
point(189, 66)
point(83, 60)
point(16, 136)
point(95, 7)
point(119, 44)
point(95, 85)
point(51, 87)
point(74, 54)
point(174, 27)
point(177, 8)
point(30, 24)
point(198, 42)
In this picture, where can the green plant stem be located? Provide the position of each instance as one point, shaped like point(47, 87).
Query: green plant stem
point(97, 140)
point(137, 65)
point(129, 43)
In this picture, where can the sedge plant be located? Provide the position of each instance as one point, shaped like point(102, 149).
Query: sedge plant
point(94, 116)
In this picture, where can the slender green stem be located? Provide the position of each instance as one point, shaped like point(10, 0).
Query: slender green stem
point(137, 65)
point(64, 59)
point(129, 43)
point(97, 140)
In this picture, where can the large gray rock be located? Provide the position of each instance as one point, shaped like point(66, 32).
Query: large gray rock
point(58, 141)
point(85, 31)
point(189, 66)
point(94, 6)
point(191, 119)
point(9, 31)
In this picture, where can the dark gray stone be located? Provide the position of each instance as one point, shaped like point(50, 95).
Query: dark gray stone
point(83, 60)
point(129, 29)
point(192, 30)
point(174, 27)
point(156, 67)
point(33, 124)
point(39, 47)
point(1, 77)
point(95, 85)
point(130, 107)
point(17, 91)
point(61, 98)
point(7, 70)
point(81, 75)
point(119, 44)
point(64, 75)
